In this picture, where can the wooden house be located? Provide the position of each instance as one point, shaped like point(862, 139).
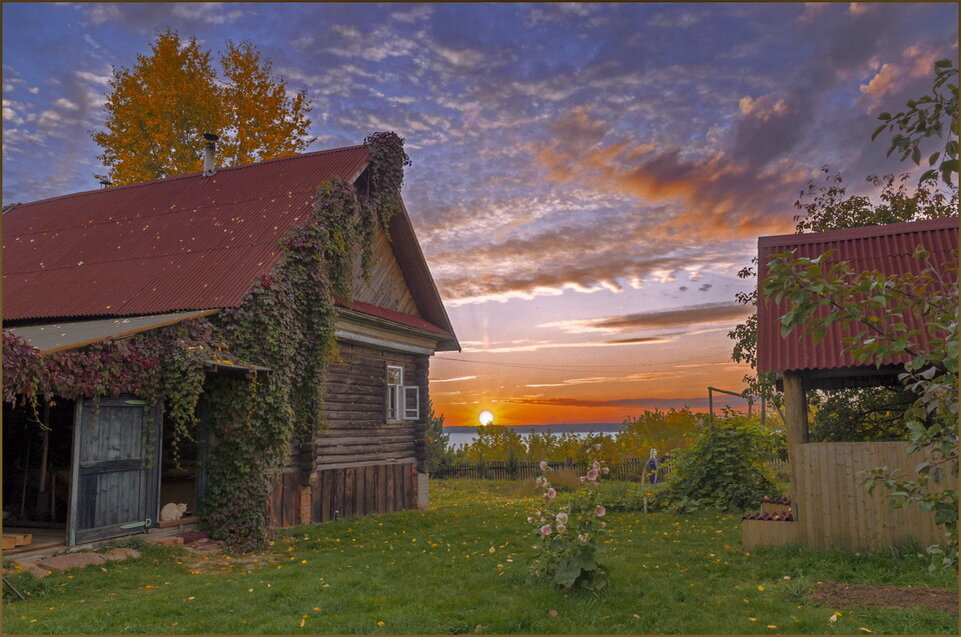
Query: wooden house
point(831, 507)
point(111, 263)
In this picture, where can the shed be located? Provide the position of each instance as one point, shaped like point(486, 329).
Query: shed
point(831, 506)
point(107, 264)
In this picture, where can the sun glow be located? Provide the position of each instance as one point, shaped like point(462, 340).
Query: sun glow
point(485, 418)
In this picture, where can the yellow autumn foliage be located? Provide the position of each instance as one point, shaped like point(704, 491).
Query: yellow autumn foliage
point(158, 111)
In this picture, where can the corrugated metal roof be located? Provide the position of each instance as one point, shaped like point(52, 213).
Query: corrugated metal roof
point(54, 337)
point(182, 243)
point(57, 337)
point(888, 249)
point(397, 317)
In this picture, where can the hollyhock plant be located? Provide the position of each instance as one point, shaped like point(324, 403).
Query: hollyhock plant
point(567, 550)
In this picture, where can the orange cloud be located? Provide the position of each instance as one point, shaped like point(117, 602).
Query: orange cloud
point(724, 194)
point(916, 62)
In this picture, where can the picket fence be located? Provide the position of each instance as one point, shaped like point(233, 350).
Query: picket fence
point(630, 469)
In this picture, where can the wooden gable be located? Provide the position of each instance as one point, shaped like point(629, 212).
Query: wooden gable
point(386, 287)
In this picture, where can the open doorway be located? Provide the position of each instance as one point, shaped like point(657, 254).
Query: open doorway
point(182, 474)
point(37, 461)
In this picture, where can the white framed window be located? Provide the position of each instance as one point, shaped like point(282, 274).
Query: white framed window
point(411, 402)
point(395, 393)
point(401, 402)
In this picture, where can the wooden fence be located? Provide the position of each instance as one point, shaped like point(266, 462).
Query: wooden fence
point(632, 469)
point(342, 492)
point(835, 510)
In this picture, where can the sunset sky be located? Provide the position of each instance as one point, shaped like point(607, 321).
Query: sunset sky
point(587, 179)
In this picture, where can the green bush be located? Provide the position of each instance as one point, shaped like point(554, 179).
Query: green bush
point(439, 456)
point(568, 536)
point(725, 468)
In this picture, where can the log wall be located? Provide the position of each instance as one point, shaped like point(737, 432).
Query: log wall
point(356, 429)
point(358, 463)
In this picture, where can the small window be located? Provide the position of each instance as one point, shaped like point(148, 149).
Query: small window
point(411, 402)
point(395, 393)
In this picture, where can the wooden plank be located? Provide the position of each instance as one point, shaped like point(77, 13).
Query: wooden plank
point(399, 486)
point(389, 492)
point(370, 489)
point(380, 489)
point(761, 533)
point(327, 488)
point(359, 491)
point(337, 506)
point(412, 472)
point(291, 498)
point(350, 477)
point(316, 499)
point(352, 459)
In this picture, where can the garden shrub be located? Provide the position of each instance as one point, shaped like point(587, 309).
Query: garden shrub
point(627, 496)
point(439, 456)
point(568, 536)
point(565, 480)
point(725, 468)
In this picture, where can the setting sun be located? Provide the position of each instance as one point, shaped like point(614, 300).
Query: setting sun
point(485, 418)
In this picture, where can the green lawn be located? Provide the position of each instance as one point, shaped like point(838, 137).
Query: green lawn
point(462, 567)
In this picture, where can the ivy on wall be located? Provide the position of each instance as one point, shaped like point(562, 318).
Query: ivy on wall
point(286, 323)
point(164, 364)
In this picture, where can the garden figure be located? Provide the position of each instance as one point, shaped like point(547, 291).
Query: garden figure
point(652, 466)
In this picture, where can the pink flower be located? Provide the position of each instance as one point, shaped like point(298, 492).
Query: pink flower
point(605, 471)
point(546, 530)
point(597, 447)
point(552, 613)
point(603, 524)
point(596, 466)
point(600, 511)
point(592, 474)
point(561, 528)
point(583, 479)
point(562, 517)
point(551, 494)
point(543, 465)
point(530, 520)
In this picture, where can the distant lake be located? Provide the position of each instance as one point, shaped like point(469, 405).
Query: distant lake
point(465, 435)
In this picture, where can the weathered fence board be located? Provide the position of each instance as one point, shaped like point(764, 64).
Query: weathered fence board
point(634, 469)
point(344, 492)
point(835, 509)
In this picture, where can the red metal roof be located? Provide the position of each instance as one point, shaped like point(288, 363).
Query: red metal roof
point(396, 317)
point(888, 249)
point(182, 243)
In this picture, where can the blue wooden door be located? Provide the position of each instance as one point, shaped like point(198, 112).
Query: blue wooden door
point(116, 468)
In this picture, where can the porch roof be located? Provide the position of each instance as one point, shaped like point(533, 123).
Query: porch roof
point(54, 337)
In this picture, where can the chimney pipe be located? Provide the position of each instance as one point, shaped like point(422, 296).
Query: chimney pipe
point(210, 165)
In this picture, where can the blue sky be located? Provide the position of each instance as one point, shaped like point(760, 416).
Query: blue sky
point(582, 172)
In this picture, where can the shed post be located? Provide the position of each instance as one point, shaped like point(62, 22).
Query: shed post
point(796, 425)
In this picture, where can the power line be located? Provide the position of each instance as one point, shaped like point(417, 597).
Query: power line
point(562, 368)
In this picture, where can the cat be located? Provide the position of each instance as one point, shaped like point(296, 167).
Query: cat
point(172, 511)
